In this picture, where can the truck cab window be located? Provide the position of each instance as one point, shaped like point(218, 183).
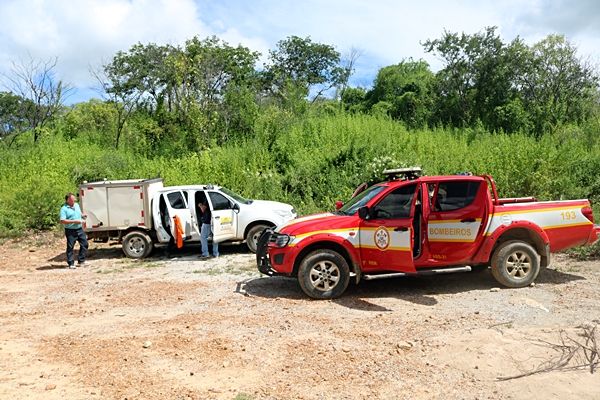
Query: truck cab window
point(455, 195)
point(176, 200)
point(396, 204)
point(219, 202)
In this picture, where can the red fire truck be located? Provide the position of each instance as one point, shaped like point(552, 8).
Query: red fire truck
point(412, 225)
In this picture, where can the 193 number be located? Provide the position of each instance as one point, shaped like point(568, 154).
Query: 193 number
point(568, 215)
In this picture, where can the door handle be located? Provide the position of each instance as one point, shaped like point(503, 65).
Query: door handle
point(401, 229)
point(467, 220)
point(217, 217)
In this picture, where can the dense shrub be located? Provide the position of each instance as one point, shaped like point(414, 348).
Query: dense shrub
point(309, 162)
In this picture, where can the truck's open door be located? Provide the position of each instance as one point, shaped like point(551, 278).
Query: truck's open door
point(386, 238)
point(224, 217)
point(456, 220)
point(177, 204)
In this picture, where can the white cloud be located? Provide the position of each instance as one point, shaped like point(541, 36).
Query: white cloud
point(87, 32)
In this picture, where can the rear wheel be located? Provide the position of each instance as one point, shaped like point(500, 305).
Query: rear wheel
point(253, 235)
point(137, 244)
point(515, 264)
point(324, 274)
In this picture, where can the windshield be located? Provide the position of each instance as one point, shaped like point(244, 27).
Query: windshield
point(235, 196)
point(361, 200)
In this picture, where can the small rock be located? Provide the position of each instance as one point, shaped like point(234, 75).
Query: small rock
point(404, 345)
point(50, 386)
point(147, 344)
point(495, 289)
point(191, 374)
point(532, 284)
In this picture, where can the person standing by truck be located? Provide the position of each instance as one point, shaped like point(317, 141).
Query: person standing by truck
point(205, 231)
point(72, 219)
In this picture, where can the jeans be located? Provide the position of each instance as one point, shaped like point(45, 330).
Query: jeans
point(76, 235)
point(204, 234)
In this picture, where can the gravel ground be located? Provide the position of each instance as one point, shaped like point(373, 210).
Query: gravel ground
point(182, 328)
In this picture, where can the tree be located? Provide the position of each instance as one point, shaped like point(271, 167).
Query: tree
point(407, 87)
point(43, 96)
point(216, 88)
point(511, 86)
point(122, 94)
point(298, 66)
point(558, 86)
point(12, 120)
point(479, 75)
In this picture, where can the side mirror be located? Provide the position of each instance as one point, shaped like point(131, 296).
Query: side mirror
point(363, 212)
point(339, 204)
point(236, 207)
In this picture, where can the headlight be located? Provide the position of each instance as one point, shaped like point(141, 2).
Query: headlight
point(282, 240)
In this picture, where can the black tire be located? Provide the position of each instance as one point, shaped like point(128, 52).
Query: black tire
point(515, 264)
point(253, 235)
point(137, 244)
point(319, 269)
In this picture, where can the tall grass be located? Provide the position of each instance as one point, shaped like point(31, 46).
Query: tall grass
point(308, 162)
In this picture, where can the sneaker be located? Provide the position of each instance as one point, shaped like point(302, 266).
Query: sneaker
point(71, 266)
point(81, 264)
point(203, 257)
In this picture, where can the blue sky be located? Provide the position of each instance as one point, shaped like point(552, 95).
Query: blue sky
point(85, 33)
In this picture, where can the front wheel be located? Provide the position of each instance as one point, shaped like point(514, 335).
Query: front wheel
point(515, 264)
point(324, 274)
point(137, 244)
point(253, 235)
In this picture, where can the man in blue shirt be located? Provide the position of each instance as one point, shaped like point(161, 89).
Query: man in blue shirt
point(72, 219)
point(205, 231)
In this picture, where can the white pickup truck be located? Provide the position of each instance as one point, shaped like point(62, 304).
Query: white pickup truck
point(139, 213)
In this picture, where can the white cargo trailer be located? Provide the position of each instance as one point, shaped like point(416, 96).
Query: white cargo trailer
point(139, 213)
point(115, 208)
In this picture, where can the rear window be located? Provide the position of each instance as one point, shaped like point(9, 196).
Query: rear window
point(176, 200)
point(455, 195)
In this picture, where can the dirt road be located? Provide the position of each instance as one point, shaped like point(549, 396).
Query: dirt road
point(182, 328)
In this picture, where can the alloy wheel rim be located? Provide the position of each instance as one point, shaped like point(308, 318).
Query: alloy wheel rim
point(324, 276)
point(518, 265)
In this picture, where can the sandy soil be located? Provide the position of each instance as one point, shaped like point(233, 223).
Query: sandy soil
point(182, 328)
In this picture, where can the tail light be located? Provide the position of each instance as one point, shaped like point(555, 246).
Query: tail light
point(588, 213)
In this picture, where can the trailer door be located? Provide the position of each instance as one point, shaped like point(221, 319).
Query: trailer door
point(177, 204)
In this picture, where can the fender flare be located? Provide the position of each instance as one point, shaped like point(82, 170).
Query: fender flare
point(350, 253)
point(489, 242)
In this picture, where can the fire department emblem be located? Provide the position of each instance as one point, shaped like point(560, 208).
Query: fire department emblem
point(382, 238)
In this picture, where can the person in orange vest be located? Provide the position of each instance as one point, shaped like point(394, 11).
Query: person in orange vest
point(205, 231)
point(178, 232)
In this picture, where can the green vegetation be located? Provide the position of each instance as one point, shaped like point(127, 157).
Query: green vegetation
point(294, 131)
point(309, 162)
